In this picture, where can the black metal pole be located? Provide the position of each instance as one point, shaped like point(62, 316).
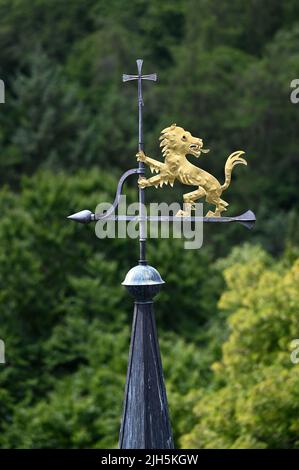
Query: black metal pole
point(142, 224)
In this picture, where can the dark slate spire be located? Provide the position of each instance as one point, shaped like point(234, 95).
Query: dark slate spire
point(145, 422)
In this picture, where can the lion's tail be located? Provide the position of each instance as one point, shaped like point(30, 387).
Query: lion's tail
point(233, 159)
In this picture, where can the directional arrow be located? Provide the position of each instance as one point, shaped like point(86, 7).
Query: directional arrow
point(85, 217)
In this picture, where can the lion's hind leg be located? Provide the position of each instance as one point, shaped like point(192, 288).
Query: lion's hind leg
point(189, 201)
point(221, 205)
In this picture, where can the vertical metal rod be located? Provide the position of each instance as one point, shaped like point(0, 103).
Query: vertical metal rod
point(142, 223)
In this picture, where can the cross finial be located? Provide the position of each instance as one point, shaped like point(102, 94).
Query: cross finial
point(140, 77)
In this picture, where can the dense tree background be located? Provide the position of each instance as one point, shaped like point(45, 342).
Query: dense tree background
point(228, 312)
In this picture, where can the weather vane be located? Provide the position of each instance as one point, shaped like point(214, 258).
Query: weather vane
point(145, 422)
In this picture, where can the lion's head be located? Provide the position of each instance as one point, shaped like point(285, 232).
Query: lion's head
point(176, 139)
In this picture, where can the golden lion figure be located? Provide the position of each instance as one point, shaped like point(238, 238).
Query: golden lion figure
point(176, 143)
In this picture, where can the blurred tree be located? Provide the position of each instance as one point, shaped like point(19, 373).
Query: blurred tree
point(48, 124)
point(252, 403)
point(53, 26)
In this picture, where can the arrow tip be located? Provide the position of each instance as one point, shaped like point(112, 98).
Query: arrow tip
point(83, 217)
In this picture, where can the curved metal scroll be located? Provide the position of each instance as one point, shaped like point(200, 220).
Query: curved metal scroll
point(86, 216)
point(113, 207)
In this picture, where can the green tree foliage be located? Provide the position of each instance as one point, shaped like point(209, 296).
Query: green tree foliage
point(49, 125)
point(253, 403)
